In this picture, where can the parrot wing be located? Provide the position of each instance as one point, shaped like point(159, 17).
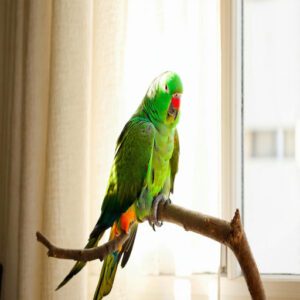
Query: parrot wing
point(133, 153)
point(174, 160)
point(128, 174)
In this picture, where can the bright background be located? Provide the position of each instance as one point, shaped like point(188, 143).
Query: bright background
point(272, 115)
point(182, 36)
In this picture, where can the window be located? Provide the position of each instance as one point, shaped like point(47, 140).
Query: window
point(260, 139)
point(271, 100)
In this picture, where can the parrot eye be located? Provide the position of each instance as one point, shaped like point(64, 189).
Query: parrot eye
point(166, 89)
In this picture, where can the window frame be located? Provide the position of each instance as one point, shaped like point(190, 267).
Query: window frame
point(232, 85)
point(231, 93)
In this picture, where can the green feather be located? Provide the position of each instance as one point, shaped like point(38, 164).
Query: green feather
point(107, 275)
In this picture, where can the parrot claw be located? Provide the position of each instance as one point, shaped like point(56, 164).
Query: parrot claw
point(153, 219)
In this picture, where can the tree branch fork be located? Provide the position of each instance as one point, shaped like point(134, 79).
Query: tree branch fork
point(231, 234)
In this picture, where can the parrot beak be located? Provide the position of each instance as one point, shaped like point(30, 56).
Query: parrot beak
point(174, 106)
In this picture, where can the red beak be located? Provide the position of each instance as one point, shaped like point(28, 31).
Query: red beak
point(176, 101)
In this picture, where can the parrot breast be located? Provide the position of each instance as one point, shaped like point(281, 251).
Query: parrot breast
point(160, 165)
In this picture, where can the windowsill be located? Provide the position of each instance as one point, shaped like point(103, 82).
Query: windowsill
point(281, 277)
point(277, 287)
point(202, 286)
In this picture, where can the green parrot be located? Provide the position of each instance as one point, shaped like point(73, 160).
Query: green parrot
point(142, 174)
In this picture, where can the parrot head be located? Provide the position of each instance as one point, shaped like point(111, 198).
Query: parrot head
point(163, 98)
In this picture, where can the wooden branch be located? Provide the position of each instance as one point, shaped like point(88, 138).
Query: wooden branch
point(230, 234)
point(83, 254)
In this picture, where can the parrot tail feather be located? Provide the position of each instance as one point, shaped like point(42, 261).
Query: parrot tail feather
point(107, 276)
point(111, 263)
point(80, 264)
point(77, 267)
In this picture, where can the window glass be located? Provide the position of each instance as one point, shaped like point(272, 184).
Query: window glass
point(271, 113)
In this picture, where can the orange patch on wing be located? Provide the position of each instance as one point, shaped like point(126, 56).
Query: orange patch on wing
point(127, 219)
point(115, 231)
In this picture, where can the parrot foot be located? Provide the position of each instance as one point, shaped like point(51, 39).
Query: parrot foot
point(153, 219)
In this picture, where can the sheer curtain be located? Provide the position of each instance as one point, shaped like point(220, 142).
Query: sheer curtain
point(48, 102)
point(73, 73)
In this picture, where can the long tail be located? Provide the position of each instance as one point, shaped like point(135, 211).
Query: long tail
point(95, 236)
point(110, 265)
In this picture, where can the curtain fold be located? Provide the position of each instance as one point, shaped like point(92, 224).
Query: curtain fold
point(49, 144)
point(35, 91)
point(66, 187)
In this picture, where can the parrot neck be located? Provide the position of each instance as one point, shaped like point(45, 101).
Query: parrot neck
point(164, 129)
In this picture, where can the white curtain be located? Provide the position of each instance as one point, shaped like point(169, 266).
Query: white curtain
point(73, 73)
